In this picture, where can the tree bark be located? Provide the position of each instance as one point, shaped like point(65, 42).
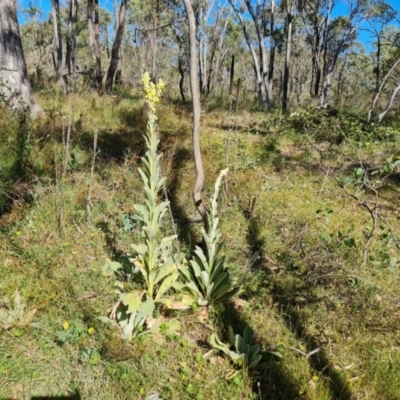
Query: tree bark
point(94, 40)
point(263, 52)
point(15, 88)
point(71, 43)
point(262, 93)
point(201, 65)
point(232, 76)
point(378, 62)
point(390, 104)
point(182, 78)
point(213, 50)
point(116, 47)
point(214, 69)
point(289, 18)
point(196, 114)
point(55, 12)
point(377, 94)
point(272, 46)
point(118, 72)
point(331, 68)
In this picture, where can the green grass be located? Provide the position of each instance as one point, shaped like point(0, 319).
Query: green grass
point(292, 236)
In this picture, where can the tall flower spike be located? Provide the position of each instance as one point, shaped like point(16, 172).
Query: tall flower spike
point(152, 92)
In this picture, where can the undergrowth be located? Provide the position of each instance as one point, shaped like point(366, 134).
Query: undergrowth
point(294, 229)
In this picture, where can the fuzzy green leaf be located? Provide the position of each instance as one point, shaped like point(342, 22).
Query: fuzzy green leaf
point(165, 285)
point(132, 301)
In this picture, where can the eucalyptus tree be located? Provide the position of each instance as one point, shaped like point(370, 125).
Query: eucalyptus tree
point(180, 34)
point(201, 11)
point(194, 87)
point(58, 60)
point(316, 17)
point(259, 13)
point(115, 51)
point(15, 88)
point(341, 32)
point(93, 24)
point(71, 42)
point(381, 14)
point(153, 23)
point(288, 5)
point(390, 66)
point(259, 62)
point(218, 40)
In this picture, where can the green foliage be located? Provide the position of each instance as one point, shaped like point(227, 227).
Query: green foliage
point(206, 277)
point(245, 353)
point(391, 165)
point(305, 286)
point(154, 257)
point(132, 317)
point(15, 155)
point(334, 127)
point(12, 311)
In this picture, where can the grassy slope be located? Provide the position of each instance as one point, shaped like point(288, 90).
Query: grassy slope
point(293, 237)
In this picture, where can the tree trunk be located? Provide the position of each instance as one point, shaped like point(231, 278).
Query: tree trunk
point(15, 88)
point(71, 43)
point(118, 72)
point(116, 47)
point(331, 68)
point(196, 114)
point(182, 78)
point(55, 12)
point(377, 94)
point(214, 71)
point(272, 45)
point(316, 66)
point(390, 104)
point(378, 63)
point(262, 50)
point(213, 50)
point(285, 98)
point(201, 65)
point(256, 65)
point(232, 76)
point(94, 40)
point(154, 39)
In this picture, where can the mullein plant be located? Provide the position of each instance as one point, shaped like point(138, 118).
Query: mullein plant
point(245, 353)
point(206, 278)
point(154, 257)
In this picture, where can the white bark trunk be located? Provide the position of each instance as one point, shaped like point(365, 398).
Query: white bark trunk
point(381, 87)
point(390, 104)
point(196, 114)
point(260, 82)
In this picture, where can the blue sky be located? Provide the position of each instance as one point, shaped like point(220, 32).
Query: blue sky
point(45, 6)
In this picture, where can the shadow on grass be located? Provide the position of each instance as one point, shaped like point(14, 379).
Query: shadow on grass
point(270, 380)
point(117, 145)
point(319, 361)
point(290, 311)
point(185, 231)
point(73, 396)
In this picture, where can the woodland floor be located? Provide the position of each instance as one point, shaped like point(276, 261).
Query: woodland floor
point(296, 215)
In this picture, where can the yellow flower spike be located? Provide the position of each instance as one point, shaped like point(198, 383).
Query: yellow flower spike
point(91, 330)
point(65, 325)
point(152, 92)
